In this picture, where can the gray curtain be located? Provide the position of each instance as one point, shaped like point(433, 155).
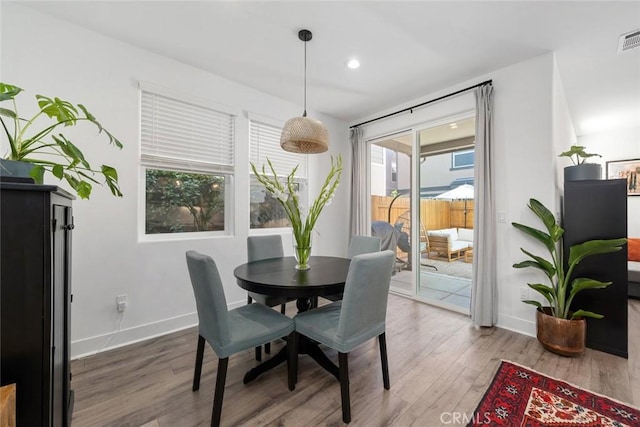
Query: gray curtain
point(359, 223)
point(484, 310)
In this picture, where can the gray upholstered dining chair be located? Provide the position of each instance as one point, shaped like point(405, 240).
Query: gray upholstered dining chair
point(229, 331)
point(360, 316)
point(357, 246)
point(363, 245)
point(259, 248)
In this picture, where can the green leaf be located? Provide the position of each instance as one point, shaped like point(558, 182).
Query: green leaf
point(578, 151)
point(533, 302)
point(8, 92)
point(593, 247)
point(58, 171)
point(89, 116)
point(8, 113)
point(543, 264)
point(73, 152)
point(73, 182)
point(92, 119)
point(37, 173)
point(84, 189)
point(545, 216)
point(540, 236)
point(583, 313)
point(62, 111)
point(546, 291)
point(111, 178)
point(534, 264)
point(583, 283)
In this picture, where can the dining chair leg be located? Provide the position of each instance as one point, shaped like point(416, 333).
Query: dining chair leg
point(292, 362)
point(283, 308)
point(267, 348)
point(219, 394)
point(198, 369)
point(258, 348)
point(384, 361)
point(343, 366)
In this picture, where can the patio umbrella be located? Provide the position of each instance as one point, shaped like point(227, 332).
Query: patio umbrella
point(462, 192)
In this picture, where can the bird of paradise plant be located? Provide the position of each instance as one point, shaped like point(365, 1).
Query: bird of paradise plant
point(562, 287)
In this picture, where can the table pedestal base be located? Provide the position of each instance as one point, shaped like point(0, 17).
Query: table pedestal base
point(305, 346)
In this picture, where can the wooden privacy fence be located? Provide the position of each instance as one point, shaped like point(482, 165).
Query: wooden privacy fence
point(434, 214)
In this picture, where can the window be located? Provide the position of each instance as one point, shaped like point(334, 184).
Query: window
point(265, 210)
point(187, 159)
point(462, 159)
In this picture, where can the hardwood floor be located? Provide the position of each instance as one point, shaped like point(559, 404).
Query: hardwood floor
point(438, 363)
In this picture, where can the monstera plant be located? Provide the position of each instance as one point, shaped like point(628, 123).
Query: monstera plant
point(38, 141)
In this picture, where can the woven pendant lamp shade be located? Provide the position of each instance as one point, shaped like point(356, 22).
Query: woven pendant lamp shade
point(304, 135)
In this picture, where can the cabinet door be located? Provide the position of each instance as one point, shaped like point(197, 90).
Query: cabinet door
point(598, 210)
point(60, 314)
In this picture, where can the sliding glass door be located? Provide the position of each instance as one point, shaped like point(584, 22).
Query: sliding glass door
point(445, 174)
point(422, 207)
point(391, 178)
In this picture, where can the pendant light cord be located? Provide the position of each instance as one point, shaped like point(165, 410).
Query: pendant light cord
point(305, 80)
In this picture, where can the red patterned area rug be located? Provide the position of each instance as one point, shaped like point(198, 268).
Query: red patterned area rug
point(521, 397)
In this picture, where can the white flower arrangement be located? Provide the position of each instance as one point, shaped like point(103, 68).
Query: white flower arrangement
point(302, 222)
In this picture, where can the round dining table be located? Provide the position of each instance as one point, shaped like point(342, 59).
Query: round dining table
point(278, 277)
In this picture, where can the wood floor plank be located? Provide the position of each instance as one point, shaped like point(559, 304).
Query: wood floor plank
point(439, 363)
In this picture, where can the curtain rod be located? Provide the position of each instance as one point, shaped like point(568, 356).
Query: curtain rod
point(487, 82)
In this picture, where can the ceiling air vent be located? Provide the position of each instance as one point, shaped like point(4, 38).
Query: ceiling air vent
point(629, 41)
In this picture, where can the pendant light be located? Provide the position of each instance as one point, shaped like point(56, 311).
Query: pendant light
point(303, 134)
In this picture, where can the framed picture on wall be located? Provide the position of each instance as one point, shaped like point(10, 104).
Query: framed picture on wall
point(626, 169)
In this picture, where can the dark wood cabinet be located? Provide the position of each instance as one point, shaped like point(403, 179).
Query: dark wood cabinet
point(597, 209)
point(36, 223)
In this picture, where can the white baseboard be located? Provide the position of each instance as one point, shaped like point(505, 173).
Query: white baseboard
point(90, 346)
point(516, 324)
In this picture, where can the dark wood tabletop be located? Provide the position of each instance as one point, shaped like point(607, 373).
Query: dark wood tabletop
point(278, 277)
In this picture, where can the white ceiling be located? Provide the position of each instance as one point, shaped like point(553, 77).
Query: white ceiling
point(407, 49)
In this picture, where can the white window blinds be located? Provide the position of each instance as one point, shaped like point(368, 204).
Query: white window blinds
point(265, 143)
point(178, 135)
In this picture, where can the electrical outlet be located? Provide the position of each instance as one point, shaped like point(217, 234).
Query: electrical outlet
point(121, 302)
point(502, 216)
point(524, 293)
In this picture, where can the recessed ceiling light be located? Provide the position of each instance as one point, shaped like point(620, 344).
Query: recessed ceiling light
point(353, 63)
point(453, 125)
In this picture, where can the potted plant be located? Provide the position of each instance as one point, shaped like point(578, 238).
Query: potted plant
point(39, 148)
point(581, 170)
point(560, 328)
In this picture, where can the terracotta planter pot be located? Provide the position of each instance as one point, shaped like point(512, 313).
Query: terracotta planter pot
point(561, 336)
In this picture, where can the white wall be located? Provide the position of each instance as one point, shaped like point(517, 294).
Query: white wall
point(525, 163)
point(563, 133)
point(46, 56)
point(619, 144)
point(436, 171)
